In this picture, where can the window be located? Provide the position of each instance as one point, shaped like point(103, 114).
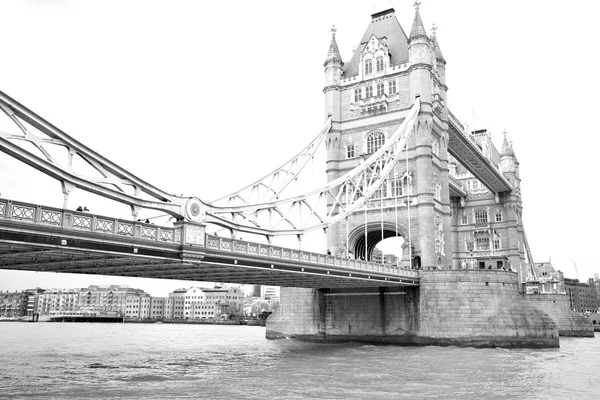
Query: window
point(368, 92)
point(469, 245)
point(380, 89)
point(483, 243)
point(498, 217)
point(357, 94)
point(379, 64)
point(496, 244)
point(374, 141)
point(435, 147)
point(350, 150)
point(464, 220)
point(396, 187)
point(368, 67)
point(481, 217)
point(392, 87)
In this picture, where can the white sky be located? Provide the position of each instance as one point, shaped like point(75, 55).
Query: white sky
point(202, 98)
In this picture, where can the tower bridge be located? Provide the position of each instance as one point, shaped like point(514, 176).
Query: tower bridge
point(398, 164)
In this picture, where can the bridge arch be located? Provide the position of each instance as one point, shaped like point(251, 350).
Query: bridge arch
point(375, 234)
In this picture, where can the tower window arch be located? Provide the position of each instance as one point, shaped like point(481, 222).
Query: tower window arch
point(374, 141)
point(481, 217)
point(435, 147)
point(380, 89)
point(392, 87)
point(350, 150)
point(379, 63)
point(368, 91)
point(357, 94)
point(368, 67)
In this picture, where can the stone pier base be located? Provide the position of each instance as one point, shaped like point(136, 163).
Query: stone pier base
point(557, 306)
point(480, 308)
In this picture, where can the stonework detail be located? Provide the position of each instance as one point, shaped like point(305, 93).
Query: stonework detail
point(194, 235)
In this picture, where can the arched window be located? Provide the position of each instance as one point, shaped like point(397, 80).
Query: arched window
point(374, 141)
point(392, 87)
point(464, 220)
point(350, 150)
point(356, 94)
point(435, 147)
point(406, 184)
point(368, 67)
point(481, 217)
point(380, 89)
point(368, 91)
point(379, 63)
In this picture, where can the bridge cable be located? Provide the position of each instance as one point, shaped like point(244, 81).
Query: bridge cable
point(395, 186)
point(365, 204)
point(410, 262)
point(381, 212)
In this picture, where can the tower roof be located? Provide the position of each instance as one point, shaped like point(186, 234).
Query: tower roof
point(418, 30)
point(436, 47)
point(383, 24)
point(507, 147)
point(333, 55)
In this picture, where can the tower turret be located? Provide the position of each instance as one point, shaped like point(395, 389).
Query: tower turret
point(333, 74)
point(419, 58)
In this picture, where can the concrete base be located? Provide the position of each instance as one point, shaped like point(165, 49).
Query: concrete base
point(480, 308)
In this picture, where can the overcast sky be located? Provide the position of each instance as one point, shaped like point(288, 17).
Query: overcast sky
point(203, 98)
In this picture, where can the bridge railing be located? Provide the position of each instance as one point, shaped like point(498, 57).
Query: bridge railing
point(84, 222)
point(294, 255)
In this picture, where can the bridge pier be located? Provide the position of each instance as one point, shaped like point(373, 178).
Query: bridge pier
point(479, 308)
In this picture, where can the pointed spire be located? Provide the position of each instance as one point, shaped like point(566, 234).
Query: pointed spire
point(436, 47)
point(333, 55)
point(418, 30)
point(506, 146)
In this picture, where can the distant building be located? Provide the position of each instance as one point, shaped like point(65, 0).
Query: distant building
point(582, 296)
point(270, 294)
point(14, 304)
point(543, 278)
point(203, 303)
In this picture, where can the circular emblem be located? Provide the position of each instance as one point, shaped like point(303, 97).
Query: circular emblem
point(194, 209)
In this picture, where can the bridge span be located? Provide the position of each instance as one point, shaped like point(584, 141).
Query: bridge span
point(39, 238)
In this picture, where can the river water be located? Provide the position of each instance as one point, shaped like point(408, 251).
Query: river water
point(157, 361)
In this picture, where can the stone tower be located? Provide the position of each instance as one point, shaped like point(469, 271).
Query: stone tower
point(368, 98)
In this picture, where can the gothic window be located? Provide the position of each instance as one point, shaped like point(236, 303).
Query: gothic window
point(357, 94)
point(498, 216)
point(368, 67)
point(406, 184)
point(464, 219)
point(379, 64)
point(483, 243)
point(496, 244)
point(369, 91)
point(481, 217)
point(350, 150)
point(392, 87)
point(435, 147)
point(396, 187)
point(437, 189)
point(380, 89)
point(374, 141)
point(469, 245)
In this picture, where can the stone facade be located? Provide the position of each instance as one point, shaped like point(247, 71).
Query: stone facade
point(558, 308)
point(480, 308)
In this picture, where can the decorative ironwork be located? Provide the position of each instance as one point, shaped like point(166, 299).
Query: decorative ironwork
point(104, 225)
point(148, 232)
point(125, 229)
point(2, 209)
point(166, 235)
point(80, 221)
point(23, 212)
point(51, 217)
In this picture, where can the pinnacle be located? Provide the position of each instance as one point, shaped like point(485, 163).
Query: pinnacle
point(418, 30)
point(506, 146)
point(333, 55)
point(438, 51)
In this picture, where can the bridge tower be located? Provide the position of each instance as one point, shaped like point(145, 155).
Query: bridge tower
point(368, 97)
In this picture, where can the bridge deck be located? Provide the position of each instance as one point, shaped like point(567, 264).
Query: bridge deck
point(39, 238)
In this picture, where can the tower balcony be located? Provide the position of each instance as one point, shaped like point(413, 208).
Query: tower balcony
point(374, 104)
